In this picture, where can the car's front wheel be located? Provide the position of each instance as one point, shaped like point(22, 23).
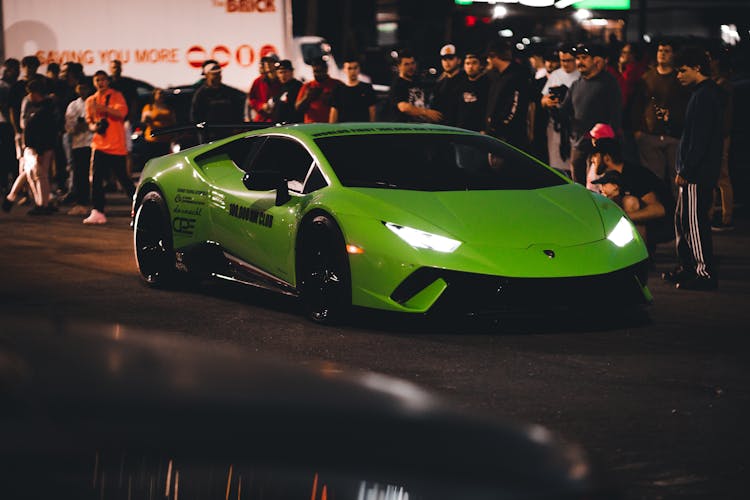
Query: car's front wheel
point(152, 239)
point(325, 277)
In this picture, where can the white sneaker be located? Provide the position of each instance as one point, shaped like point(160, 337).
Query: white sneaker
point(96, 217)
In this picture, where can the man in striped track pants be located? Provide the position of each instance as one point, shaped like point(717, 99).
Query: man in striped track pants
point(698, 162)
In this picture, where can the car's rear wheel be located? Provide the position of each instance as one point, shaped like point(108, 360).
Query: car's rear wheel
point(325, 276)
point(152, 238)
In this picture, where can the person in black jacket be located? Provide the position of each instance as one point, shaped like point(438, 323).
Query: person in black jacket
point(698, 163)
point(216, 103)
point(40, 127)
point(284, 110)
point(508, 97)
point(471, 87)
point(407, 98)
point(445, 92)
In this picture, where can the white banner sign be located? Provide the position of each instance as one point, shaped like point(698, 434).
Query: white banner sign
point(163, 42)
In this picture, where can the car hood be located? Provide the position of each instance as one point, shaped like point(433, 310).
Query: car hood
point(561, 215)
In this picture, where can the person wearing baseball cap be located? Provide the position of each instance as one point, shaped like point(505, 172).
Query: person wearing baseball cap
point(445, 93)
point(594, 98)
point(215, 102)
point(599, 131)
point(202, 79)
point(284, 109)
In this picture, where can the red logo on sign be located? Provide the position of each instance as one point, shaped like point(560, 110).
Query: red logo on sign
point(197, 54)
point(267, 50)
point(244, 55)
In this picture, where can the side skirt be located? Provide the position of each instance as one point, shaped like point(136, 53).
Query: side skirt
point(209, 259)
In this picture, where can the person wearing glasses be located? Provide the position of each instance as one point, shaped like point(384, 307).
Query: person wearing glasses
point(593, 98)
point(558, 83)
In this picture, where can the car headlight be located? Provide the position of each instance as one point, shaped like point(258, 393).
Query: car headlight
point(623, 233)
point(422, 239)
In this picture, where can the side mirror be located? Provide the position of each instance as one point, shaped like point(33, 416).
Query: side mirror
point(267, 180)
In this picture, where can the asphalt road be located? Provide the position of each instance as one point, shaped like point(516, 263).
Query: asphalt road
point(662, 403)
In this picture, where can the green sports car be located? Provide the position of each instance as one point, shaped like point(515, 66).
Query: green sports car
point(398, 217)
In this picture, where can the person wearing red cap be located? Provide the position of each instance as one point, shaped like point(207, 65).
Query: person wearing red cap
point(599, 131)
point(647, 201)
point(593, 98)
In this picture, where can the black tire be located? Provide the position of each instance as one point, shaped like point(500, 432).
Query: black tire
point(152, 241)
point(325, 279)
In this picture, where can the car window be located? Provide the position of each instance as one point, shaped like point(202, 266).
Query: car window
point(241, 152)
point(286, 156)
point(433, 162)
point(315, 181)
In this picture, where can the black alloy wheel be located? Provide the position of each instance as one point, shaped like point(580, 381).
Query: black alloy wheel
point(326, 281)
point(152, 239)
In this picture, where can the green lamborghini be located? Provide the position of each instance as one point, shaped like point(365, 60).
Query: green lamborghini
point(397, 217)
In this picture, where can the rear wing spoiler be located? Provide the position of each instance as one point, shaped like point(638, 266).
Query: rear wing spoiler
point(203, 126)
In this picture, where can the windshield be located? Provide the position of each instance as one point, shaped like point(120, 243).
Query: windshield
point(433, 162)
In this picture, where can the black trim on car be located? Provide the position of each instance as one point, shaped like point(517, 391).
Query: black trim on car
point(481, 293)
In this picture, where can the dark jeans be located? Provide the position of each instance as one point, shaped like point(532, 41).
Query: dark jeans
point(81, 187)
point(103, 164)
point(61, 165)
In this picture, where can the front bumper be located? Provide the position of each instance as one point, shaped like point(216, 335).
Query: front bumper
point(439, 290)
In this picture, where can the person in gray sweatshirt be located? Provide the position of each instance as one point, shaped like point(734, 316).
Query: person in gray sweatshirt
point(593, 98)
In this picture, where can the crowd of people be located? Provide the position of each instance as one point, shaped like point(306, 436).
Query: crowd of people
point(650, 134)
point(65, 136)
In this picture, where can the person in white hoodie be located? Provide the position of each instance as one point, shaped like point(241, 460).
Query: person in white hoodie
point(81, 136)
point(552, 94)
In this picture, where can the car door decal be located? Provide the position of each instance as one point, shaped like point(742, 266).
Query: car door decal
point(248, 214)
